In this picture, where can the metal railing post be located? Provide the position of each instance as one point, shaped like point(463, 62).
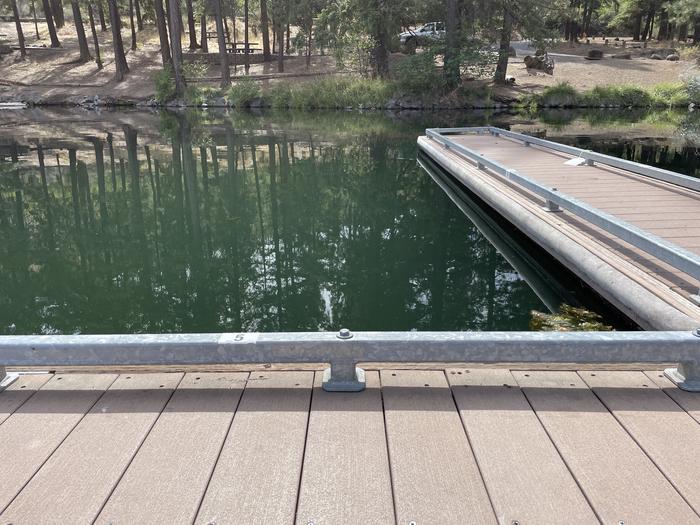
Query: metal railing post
point(6, 379)
point(343, 374)
point(687, 375)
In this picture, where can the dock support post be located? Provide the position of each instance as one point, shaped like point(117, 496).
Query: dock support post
point(687, 375)
point(343, 374)
point(6, 379)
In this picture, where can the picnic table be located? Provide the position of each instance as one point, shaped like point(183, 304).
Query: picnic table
point(241, 47)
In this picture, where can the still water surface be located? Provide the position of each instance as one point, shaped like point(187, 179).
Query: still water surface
point(133, 222)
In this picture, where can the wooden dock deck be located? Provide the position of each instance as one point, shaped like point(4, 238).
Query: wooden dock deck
point(461, 445)
point(650, 291)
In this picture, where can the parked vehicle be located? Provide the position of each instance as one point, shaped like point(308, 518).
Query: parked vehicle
point(413, 38)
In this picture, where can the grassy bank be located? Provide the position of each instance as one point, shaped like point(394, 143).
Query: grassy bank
point(345, 92)
point(563, 95)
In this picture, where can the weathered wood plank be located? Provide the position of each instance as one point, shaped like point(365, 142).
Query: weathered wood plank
point(688, 401)
point(669, 436)
point(179, 454)
point(30, 435)
point(434, 474)
point(619, 480)
point(256, 479)
point(75, 482)
point(346, 477)
point(18, 392)
point(526, 478)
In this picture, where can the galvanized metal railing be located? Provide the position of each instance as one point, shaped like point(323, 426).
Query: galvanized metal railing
point(344, 350)
point(555, 201)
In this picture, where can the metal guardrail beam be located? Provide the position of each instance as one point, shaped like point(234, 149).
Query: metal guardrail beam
point(555, 200)
point(344, 350)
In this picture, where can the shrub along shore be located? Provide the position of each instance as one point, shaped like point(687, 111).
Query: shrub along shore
point(365, 94)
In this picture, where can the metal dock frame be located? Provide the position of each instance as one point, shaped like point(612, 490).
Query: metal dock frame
point(555, 201)
point(344, 350)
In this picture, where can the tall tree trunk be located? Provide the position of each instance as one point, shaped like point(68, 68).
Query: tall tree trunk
point(117, 44)
point(506, 32)
point(36, 23)
point(132, 25)
point(101, 15)
point(264, 27)
point(309, 41)
point(380, 54)
point(139, 20)
point(191, 26)
point(682, 32)
point(203, 29)
point(162, 23)
point(57, 13)
point(49, 23)
point(96, 42)
point(80, 30)
point(451, 61)
point(286, 45)
point(18, 26)
point(663, 25)
point(647, 25)
point(246, 36)
point(280, 47)
point(223, 53)
point(696, 31)
point(637, 28)
point(176, 46)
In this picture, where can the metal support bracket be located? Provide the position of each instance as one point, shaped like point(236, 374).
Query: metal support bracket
point(695, 298)
point(335, 381)
point(343, 375)
point(686, 376)
point(551, 207)
point(6, 379)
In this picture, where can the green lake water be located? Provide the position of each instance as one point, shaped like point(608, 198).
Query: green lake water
point(134, 222)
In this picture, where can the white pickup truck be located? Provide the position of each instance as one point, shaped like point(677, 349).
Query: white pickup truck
point(413, 38)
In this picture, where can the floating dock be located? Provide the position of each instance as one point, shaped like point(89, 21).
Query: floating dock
point(630, 231)
point(451, 446)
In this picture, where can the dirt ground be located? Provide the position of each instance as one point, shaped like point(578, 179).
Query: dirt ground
point(51, 75)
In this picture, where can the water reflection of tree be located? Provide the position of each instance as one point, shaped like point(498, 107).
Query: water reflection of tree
point(236, 229)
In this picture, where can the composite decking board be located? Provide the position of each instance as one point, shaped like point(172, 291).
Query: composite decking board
point(526, 478)
point(618, 478)
point(77, 479)
point(548, 168)
point(666, 433)
point(33, 432)
point(18, 392)
point(179, 454)
point(345, 478)
point(688, 401)
point(256, 478)
point(434, 473)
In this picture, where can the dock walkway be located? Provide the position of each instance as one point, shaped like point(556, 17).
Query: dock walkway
point(653, 293)
point(460, 445)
